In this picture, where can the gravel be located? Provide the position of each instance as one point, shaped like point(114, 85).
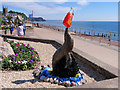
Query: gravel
point(24, 79)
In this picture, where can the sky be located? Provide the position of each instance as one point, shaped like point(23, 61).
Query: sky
point(85, 10)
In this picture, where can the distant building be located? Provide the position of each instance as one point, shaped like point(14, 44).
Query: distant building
point(5, 11)
point(0, 17)
point(12, 14)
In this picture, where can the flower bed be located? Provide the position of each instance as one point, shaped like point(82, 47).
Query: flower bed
point(25, 57)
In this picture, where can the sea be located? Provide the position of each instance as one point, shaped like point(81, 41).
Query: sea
point(101, 27)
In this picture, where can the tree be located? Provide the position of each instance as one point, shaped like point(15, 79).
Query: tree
point(17, 20)
point(19, 13)
point(3, 22)
point(9, 18)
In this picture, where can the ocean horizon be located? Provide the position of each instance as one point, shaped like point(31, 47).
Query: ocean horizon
point(104, 27)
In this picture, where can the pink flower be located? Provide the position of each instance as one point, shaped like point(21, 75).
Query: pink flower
point(15, 62)
point(33, 56)
point(20, 59)
point(15, 43)
point(12, 40)
point(23, 44)
point(28, 44)
point(16, 54)
point(32, 52)
point(29, 51)
point(25, 55)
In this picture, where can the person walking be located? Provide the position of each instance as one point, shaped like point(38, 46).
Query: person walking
point(11, 26)
point(20, 29)
point(24, 28)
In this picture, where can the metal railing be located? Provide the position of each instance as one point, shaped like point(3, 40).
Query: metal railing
point(100, 36)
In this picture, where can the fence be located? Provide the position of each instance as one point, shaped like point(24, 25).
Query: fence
point(100, 36)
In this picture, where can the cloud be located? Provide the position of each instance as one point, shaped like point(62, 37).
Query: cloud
point(60, 1)
point(22, 0)
point(39, 10)
point(82, 2)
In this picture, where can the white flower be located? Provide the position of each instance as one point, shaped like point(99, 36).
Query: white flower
point(24, 62)
point(0, 60)
point(10, 61)
point(19, 62)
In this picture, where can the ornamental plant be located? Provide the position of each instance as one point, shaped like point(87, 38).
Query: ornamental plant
point(25, 57)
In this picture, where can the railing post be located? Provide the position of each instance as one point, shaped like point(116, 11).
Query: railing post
point(91, 34)
point(75, 30)
point(100, 37)
point(110, 39)
point(80, 31)
point(85, 33)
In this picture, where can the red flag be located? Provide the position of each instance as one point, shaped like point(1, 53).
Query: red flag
point(68, 19)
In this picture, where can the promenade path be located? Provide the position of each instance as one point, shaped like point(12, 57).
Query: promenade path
point(101, 54)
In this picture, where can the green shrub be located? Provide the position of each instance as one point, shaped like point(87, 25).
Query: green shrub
point(4, 22)
point(25, 57)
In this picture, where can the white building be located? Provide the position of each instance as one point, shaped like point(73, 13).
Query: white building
point(15, 15)
point(12, 14)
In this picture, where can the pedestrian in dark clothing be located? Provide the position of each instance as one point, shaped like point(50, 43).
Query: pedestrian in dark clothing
point(24, 28)
point(11, 25)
